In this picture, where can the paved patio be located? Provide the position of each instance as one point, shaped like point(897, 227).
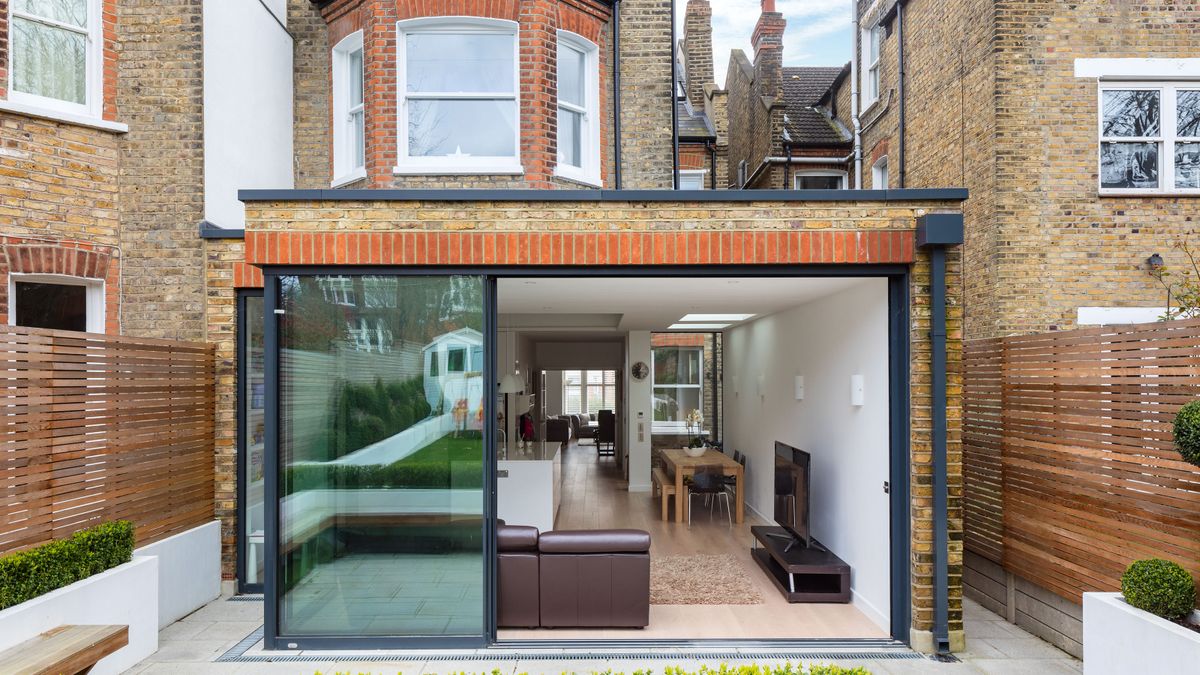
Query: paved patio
point(193, 645)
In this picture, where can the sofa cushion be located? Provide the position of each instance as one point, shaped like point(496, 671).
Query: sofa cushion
point(594, 541)
point(511, 538)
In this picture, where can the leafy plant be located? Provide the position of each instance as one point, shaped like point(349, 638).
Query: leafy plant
point(1160, 587)
point(1182, 285)
point(402, 474)
point(1187, 432)
point(368, 413)
point(27, 574)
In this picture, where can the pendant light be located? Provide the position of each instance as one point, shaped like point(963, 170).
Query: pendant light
point(512, 382)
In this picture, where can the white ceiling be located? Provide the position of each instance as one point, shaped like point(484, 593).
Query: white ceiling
point(646, 303)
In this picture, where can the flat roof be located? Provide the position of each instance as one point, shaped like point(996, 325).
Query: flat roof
point(533, 195)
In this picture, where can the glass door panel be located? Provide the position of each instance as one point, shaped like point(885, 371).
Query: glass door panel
point(381, 456)
point(251, 398)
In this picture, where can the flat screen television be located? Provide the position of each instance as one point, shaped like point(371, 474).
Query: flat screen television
point(792, 472)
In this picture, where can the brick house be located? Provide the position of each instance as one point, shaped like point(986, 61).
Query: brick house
point(456, 150)
point(1064, 213)
point(700, 109)
point(784, 133)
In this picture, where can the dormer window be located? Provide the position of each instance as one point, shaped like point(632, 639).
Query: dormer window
point(457, 96)
point(348, 111)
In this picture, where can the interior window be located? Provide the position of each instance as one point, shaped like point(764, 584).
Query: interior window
point(50, 305)
point(678, 385)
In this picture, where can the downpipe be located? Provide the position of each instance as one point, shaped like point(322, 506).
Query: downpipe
point(855, 122)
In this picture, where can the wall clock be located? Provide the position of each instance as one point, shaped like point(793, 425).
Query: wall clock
point(640, 370)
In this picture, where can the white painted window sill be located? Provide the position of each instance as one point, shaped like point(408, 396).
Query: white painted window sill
point(355, 175)
point(64, 117)
point(1149, 193)
point(578, 177)
point(449, 170)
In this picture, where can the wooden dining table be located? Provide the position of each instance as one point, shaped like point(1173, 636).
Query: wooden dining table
point(678, 463)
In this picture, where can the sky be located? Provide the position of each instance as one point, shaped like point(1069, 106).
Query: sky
point(818, 31)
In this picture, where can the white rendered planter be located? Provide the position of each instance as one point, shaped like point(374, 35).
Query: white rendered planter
point(126, 595)
point(1119, 638)
point(189, 570)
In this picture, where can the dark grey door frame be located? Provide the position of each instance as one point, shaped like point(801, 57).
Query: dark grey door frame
point(240, 379)
point(898, 279)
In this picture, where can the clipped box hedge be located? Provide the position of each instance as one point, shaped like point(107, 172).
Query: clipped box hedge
point(27, 574)
point(401, 474)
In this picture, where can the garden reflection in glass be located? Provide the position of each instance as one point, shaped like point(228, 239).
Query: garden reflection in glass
point(381, 456)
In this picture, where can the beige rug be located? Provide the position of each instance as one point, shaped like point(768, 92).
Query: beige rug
point(701, 580)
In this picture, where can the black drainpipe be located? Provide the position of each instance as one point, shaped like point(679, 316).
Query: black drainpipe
point(787, 166)
point(935, 233)
point(674, 107)
point(616, 80)
point(900, 86)
point(712, 166)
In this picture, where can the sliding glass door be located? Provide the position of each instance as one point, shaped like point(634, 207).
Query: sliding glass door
point(250, 436)
point(380, 465)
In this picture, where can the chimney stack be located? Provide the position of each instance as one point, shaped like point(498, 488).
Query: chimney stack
point(768, 48)
point(697, 50)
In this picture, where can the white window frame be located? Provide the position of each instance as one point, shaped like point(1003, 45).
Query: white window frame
point(879, 174)
point(344, 168)
point(1166, 139)
point(693, 173)
point(93, 67)
point(871, 81)
point(94, 295)
point(451, 165)
point(589, 173)
point(678, 427)
point(820, 172)
point(583, 389)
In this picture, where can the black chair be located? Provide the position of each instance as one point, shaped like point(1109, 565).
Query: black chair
point(731, 481)
point(710, 482)
point(606, 434)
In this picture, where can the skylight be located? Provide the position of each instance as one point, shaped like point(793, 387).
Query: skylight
point(715, 317)
point(697, 326)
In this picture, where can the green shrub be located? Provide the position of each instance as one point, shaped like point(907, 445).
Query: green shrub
point(368, 413)
point(27, 574)
point(1160, 587)
point(401, 474)
point(1187, 432)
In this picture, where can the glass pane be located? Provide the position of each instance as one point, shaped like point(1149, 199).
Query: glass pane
point(691, 181)
point(573, 400)
point(673, 365)
point(73, 12)
point(354, 75)
point(49, 61)
point(1129, 165)
point(55, 306)
point(818, 182)
point(251, 453)
point(610, 398)
point(595, 377)
point(570, 137)
point(595, 398)
point(572, 376)
point(459, 62)
point(1187, 108)
point(672, 404)
point(571, 75)
point(472, 128)
point(357, 138)
point(381, 462)
point(873, 45)
point(1187, 165)
point(1131, 113)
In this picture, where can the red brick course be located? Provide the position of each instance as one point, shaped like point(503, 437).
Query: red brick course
point(577, 248)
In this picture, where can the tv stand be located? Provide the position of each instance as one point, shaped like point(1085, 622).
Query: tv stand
point(802, 574)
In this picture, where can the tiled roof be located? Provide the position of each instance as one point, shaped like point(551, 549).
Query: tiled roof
point(692, 123)
point(803, 87)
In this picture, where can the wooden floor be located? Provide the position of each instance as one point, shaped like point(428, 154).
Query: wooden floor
point(594, 497)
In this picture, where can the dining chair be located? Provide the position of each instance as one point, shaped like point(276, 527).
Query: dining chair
point(731, 481)
point(709, 481)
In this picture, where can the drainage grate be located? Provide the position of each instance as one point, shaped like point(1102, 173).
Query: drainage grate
point(248, 597)
point(888, 653)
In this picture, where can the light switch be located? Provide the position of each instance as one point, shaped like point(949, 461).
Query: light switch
point(857, 394)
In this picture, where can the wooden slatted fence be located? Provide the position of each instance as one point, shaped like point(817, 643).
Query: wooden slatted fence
point(1073, 431)
point(103, 427)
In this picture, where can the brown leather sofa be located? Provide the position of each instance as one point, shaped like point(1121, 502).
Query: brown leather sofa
point(573, 578)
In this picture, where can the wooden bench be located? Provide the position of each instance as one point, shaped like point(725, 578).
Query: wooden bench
point(65, 650)
point(664, 486)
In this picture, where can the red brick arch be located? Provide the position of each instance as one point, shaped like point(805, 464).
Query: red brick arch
point(19, 255)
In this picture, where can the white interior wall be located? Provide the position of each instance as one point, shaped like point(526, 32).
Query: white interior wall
point(639, 414)
point(827, 341)
point(247, 104)
point(554, 392)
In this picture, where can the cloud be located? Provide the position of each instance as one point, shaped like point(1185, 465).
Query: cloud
point(818, 31)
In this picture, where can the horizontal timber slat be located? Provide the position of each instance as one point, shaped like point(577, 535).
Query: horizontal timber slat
point(102, 427)
point(1069, 466)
